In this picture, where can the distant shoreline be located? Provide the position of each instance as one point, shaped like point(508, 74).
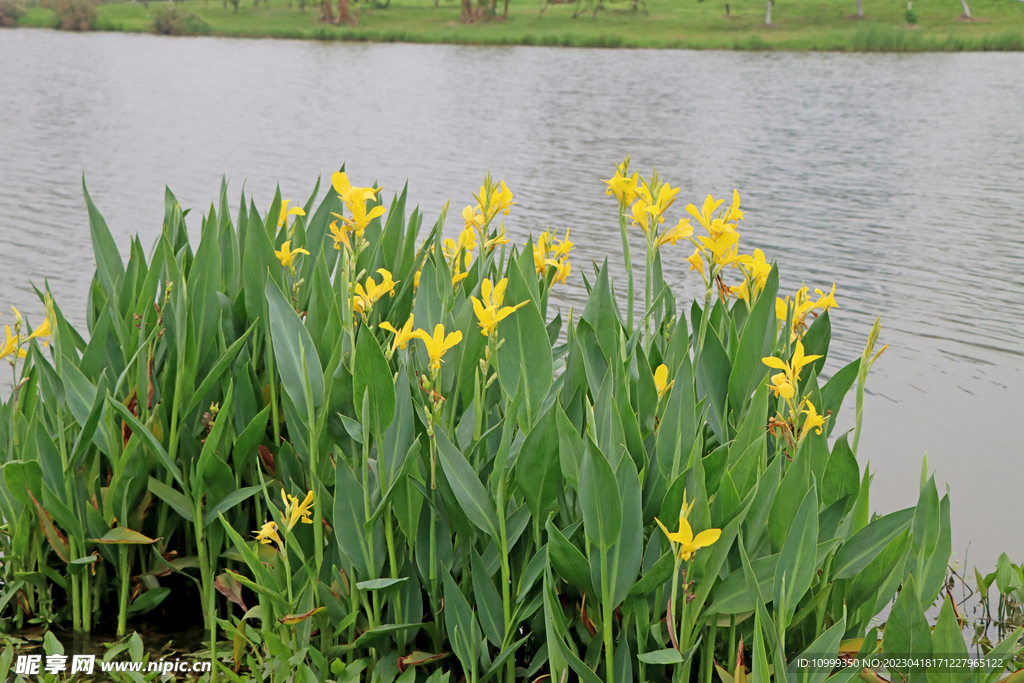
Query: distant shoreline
point(798, 25)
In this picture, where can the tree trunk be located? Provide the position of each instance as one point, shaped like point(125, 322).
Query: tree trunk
point(860, 8)
point(768, 14)
point(967, 10)
point(344, 16)
point(505, 13)
point(326, 11)
point(467, 10)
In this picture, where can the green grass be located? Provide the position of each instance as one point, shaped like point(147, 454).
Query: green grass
point(797, 24)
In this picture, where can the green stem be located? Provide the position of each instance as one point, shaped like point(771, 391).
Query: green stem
point(627, 260)
point(608, 613)
point(506, 576)
point(705, 315)
point(122, 614)
point(709, 652)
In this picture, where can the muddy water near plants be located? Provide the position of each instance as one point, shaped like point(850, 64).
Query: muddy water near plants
point(898, 177)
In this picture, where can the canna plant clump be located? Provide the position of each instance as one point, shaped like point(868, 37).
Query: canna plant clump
point(362, 451)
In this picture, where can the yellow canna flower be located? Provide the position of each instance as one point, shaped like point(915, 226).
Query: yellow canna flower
point(704, 216)
point(683, 541)
point(42, 331)
point(498, 239)
point(661, 382)
point(623, 186)
point(659, 200)
point(340, 235)
point(741, 291)
point(269, 534)
point(365, 297)
point(813, 420)
point(562, 270)
point(416, 279)
point(438, 344)
point(791, 369)
point(802, 306)
point(282, 218)
point(696, 261)
point(12, 345)
point(682, 229)
point(474, 219)
point(782, 386)
point(287, 254)
point(721, 249)
point(756, 268)
point(294, 511)
point(489, 312)
point(355, 199)
point(494, 199)
point(734, 212)
point(402, 336)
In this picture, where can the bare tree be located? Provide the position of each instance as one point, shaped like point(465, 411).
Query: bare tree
point(768, 14)
point(967, 10)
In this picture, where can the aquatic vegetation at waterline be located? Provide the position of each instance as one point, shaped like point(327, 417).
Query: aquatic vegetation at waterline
point(370, 453)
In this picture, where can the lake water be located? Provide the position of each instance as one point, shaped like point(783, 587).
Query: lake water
point(898, 177)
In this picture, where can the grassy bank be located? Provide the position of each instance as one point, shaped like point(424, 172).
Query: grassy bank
point(797, 24)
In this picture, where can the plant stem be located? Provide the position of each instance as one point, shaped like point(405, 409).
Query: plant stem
point(607, 613)
point(628, 262)
point(122, 613)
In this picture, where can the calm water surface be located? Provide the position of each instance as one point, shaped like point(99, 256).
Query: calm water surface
point(896, 176)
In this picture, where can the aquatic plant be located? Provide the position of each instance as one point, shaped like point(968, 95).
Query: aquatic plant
point(376, 454)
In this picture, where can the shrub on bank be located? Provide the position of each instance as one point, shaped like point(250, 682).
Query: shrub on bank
point(379, 454)
point(178, 21)
point(10, 12)
point(73, 15)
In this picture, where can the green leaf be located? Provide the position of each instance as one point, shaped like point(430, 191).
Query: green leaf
point(229, 501)
point(291, 342)
point(525, 349)
point(835, 390)
point(24, 479)
point(907, 633)
point(489, 606)
point(669, 655)
point(379, 584)
point(567, 560)
point(372, 376)
point(948, 640)
point(109, 265)
point(712, 373)
point(466, 485)
point(463, 630)
point(869, 541)
point(756, 342)
point(147, 436)
point(599, 498)
point(148, 600)
point(222, 364)
point(842, 475)
point(176, 499)
point(124, 536)
point(538, 470)
point(797, 559)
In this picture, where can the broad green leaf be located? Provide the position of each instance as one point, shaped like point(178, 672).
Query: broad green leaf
point(907, 634)
point(466, 486)
point(567, 560)
point(372, 376)
point(869, 541)
point(756, 342)
point(948, 641)
point(524, 350)
point(109, 265)
point(176, 499)
point(842, 475)
point(123, 535)
point(600, 499)
point(291, 343)
point(538, 470)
